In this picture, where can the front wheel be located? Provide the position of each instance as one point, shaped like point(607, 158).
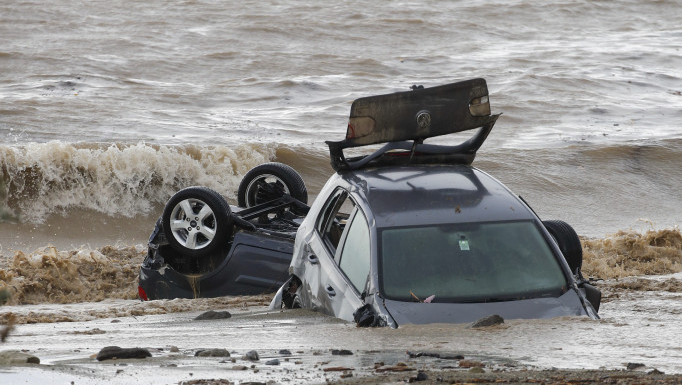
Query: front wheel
point(197, 221)
point(568, 241)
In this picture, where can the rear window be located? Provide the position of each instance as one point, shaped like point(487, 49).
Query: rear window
point(480, 262)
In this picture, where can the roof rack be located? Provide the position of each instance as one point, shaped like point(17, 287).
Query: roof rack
point(403, 120)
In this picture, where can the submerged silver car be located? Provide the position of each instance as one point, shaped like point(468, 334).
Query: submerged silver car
point(414, 234)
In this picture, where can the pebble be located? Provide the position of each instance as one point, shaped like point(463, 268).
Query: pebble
point(285, 352)
point(251, 356)
point(342, 352)
point(421, 376)
point(272, 362)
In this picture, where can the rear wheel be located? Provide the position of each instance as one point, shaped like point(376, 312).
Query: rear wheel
point(197, 221)
point(270, 181)
point(568, 241)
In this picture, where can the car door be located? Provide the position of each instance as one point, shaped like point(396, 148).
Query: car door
point(353, 260)
point(337, 232)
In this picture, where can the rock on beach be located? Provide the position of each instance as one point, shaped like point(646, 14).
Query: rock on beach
point(13, 357)
point(213, 315)
point(491, 320)
point(115, 352)
point(212, 353)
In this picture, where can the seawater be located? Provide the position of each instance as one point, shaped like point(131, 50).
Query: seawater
point(107, 109)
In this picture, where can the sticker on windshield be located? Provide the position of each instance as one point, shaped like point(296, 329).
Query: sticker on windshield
point(464, 245)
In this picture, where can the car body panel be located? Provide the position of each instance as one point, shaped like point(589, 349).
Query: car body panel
point(253, 264)
point(405, 196)
point(326, 288)
point(568, 304)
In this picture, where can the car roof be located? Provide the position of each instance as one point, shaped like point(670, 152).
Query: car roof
point(433, 194)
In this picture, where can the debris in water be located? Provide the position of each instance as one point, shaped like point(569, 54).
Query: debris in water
point(443, 356)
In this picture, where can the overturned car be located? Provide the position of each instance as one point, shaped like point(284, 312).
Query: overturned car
point(203, 247)
point(411, 233)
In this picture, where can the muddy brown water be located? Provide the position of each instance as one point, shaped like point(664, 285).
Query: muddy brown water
point(636, 327)
point(67, 305)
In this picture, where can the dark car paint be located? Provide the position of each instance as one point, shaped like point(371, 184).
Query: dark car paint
point(417, 195)
point(421, 313)
point(253, 264)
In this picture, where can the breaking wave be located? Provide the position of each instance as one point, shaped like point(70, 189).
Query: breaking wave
point(40, 179)
point(629, 253)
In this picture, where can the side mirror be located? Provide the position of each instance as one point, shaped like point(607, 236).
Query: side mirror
point(592, 294)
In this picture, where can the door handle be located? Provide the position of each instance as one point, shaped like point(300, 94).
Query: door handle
point(312, 258)
point(330, 291)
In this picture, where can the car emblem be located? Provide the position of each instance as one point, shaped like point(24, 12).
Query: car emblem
point(423, 120)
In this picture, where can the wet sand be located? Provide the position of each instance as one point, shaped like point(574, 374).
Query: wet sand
point(639, 329)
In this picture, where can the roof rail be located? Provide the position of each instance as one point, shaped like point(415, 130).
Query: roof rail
point(403, 120)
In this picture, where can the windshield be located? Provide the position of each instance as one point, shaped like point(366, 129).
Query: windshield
point(479, 262)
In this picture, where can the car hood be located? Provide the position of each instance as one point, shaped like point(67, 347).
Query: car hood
point(568, 304)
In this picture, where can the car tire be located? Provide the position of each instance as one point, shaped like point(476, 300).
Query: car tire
point(197, 221)
point(568, 241)
point(270, 181)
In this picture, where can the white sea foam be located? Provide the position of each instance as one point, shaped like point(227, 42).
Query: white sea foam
point(116, 180)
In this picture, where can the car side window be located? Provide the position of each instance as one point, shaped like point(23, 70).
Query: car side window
point(354, 258)
point(334, 219)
